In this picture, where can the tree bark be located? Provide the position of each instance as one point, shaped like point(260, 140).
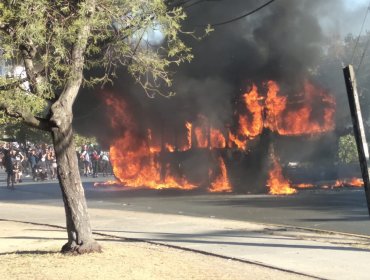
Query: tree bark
point(80, 239)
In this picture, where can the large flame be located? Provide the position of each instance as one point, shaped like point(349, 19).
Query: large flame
point(251, 126)
point(276, 183)
point(136, 163)
point(221, 181)
point(137, 158)
point(276, 113)
point(300, 120)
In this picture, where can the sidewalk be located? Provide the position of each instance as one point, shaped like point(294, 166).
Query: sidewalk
point(311, 253)
point(30, 251)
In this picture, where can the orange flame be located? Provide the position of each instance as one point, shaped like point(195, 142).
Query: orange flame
point(107, 183)
point(338, 184)
point(201, 137)
point(188, 144)
point(169, 148)
point(136, 157)
point(276, 183)
point(201, 132)
point(221, 182)
point(251, 127)
point(189, 127)
point(217, 139)
point(234, 140)
point(135, 162)
point(300, 121)
point(304, 186)
point(275, 106)
point(354, 182)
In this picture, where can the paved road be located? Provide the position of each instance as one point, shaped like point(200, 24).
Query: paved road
point(342, 210)
point(135, 214)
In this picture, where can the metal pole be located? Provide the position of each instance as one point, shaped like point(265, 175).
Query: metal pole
point(358, 128)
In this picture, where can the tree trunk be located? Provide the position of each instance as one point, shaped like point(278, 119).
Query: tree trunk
point(80, 239)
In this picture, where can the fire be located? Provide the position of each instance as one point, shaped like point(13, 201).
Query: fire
point(187, 146)
point(353, 182)
point(136, 163)
point(201, 131)
point(217, 139)
point(275, 106)
point(107, 183)
point(189, 133)
point(277, 114)
point(138, 159)
point(169, 148)
point(304, 186)
point(301, 120)
point(119, 109)
point(234, 140)
point(251, 126)
point(339, 184)
point(356, 182)
point(221, 182)
point(201, 137)
point(276, 183)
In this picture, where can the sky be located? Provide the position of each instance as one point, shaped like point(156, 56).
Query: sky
point(342, 17)
point(354, 4)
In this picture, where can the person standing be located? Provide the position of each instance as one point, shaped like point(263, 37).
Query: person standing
point(8, 164)
point(18, 165)
point(95, 162)
point(53, 166)
point(32, 159)
point(85, 157)
point(104, 163)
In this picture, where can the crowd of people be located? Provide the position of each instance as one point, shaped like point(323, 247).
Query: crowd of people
point(39, 162)
point(94, 161)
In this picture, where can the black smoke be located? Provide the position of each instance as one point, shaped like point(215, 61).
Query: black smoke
point(283, 42)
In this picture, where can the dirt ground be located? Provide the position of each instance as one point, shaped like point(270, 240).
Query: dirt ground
point(32, 252)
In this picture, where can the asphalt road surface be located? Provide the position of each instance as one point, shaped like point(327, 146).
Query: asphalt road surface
point(342, 210)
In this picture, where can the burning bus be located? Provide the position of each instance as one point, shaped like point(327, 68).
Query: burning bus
point(199, 154)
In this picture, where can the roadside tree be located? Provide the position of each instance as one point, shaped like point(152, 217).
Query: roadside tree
point(55, 42)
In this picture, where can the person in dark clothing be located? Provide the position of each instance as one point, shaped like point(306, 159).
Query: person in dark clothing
point(32, 158)
point(8, 164)
point(95, 162)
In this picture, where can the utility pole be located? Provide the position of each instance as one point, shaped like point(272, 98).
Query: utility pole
point(358, 128)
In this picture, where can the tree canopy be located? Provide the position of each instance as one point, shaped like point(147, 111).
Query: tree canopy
point(40, 35)
point(55, 42)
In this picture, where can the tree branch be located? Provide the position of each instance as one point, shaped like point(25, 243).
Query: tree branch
point(28, 52)
point(26, 116)
point(62, 109)
point(13, 85)
point(5, 27)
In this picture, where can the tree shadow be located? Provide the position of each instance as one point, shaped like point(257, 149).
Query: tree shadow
point(266, 242)
point(31, 252)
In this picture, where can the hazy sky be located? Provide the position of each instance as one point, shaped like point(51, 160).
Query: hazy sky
point(353, 4)
point(342, 17)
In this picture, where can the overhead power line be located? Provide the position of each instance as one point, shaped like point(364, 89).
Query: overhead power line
point(241, 16)
point(359, 35)
point(363, 54)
